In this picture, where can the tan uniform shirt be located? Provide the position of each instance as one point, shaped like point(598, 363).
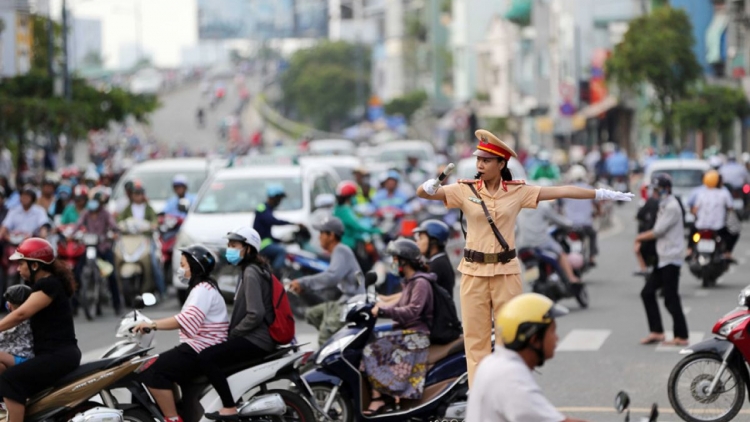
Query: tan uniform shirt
point(504, 207)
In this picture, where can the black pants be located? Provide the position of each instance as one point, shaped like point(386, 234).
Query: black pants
point(21, 382)
point(589, 232)
point(177, 365)
point(666, 278)
point(232, 351)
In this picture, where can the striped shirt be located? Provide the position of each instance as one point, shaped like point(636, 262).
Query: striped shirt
point(203, 319)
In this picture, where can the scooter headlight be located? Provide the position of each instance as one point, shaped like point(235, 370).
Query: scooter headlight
point(335, 346)
point(732, 324)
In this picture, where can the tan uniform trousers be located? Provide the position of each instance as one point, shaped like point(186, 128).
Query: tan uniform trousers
point(481, 300)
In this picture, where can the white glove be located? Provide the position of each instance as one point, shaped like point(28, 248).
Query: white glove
point(606, 194)
point(431, 186)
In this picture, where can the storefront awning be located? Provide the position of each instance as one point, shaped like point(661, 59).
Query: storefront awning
point(594, 110)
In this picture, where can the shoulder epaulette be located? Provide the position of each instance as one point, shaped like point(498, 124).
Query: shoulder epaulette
point(515, 182)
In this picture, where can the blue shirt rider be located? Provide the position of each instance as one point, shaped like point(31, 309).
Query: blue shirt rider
point(180, 187)
point(389, 195)
point(270, 247)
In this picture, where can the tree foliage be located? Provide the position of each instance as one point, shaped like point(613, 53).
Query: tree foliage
point(711, 108)
point(321, 82)
point(40, 44)
point(407, 104)
point(657, 50)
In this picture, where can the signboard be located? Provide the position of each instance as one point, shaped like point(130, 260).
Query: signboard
point(262, 19)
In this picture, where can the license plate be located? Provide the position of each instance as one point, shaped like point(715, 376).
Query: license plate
point(576, 247)
point(739, 204)
point(706, 246)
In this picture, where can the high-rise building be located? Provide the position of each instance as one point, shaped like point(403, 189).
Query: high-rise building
point(15, 37)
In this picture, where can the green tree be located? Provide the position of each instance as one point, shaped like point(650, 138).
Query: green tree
point(407, 104)
point(93, 59)
point(711, 109)
point(322, 82)
point(40, 44)
point(657, 50)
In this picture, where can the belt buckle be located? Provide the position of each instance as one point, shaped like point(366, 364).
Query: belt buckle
point(490, 258)
point(468, 258)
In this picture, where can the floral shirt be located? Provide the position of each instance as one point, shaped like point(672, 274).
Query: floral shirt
point(18, 341)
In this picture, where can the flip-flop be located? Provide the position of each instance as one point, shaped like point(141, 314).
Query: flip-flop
point(651, 340)
point(676, 342)
point(377, 410)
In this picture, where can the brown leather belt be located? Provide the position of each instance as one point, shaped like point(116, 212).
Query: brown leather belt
point(489, 258)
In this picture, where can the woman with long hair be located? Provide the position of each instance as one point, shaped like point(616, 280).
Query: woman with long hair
point(202, 323)
point(48, 308)
point(491, 275)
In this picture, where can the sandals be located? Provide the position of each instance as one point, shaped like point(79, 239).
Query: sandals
point(378, 410)
point(676, 342)
point(652, 339)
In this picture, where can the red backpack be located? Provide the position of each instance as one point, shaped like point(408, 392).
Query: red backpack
point(282, 327)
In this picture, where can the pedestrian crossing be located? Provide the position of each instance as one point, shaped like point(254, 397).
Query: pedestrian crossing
point(592, 340)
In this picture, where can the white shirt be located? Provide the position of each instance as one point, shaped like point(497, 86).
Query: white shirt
point(139, 211)
point(203, 319)
point(712, 205)
point(505, 391)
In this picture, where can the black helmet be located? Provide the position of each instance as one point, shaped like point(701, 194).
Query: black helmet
point(201, 256)
point(29, 190)
point(404, 249)
point(17, 294)
point(661, 180)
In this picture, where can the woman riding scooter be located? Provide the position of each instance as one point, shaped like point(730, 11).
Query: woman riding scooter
point(202, 322)
point(354, 230)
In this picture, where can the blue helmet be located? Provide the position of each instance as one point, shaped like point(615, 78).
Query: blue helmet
point(435, 229)
point(275, 190)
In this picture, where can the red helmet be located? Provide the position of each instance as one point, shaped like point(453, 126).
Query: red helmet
point(34, 249)
point(346, 188)
point(80, 191)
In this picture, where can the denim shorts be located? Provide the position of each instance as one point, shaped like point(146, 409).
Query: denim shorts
point(19, 359)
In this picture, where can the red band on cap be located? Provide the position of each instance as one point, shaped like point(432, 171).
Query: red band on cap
point(493, 149)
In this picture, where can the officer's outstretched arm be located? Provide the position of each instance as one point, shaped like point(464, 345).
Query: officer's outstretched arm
point(438, 196)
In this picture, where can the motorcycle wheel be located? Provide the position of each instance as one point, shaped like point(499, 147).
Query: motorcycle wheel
point(297, 408)
point(90, 292)
point(707, 281)
point(128, 291)
point(581, 294)
point(137, 414)
point(341, 409)
point(699, 383)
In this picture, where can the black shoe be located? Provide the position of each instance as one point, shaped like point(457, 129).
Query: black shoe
point(215, 416)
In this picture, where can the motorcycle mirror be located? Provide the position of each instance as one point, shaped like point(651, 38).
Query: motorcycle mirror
point(622, 401)
point(183, 205)
point(654, 413)
point(371, 278)
point(149, 299)
point(138, 303)
point(360, 278)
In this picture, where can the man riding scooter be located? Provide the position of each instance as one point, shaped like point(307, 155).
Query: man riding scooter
point(28, 218)
point(335, 285)
point(271, 247)
point(180, 187)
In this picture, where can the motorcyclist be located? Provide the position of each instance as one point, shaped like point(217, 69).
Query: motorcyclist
point(12, 197)
point(354, 231)
point(544, 168)
point(734, 173)
point(91, 178)
point(617, 165)
point(431, 236)
point(27, 218)
point(99, 221)
point(529, 333)
point(47, 198)
point(180, 187)
point(141, 211)
point(389, 195)
point(711, 208)
point(335, 285)
point(581, 212)
point(534, 232)
point(415, 174)
point(271, 247)
point(365, 192)
point(73, 211)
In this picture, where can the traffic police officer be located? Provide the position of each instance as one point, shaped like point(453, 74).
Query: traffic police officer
point(270, 247)
point(490, 270)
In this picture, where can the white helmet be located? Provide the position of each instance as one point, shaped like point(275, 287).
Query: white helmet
point(577, 172)
point(715, 161)
point(246, 234)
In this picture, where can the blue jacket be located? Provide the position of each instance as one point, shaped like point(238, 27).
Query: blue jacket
point(173, 205)
point(264, 220)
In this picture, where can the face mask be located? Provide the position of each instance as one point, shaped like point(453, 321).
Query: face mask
point(233, 256)
point(7, 306)
point(92, 205)
point(181, 275)
point(395, 267)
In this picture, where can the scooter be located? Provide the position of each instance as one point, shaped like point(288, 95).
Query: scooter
point(69, 245)
point(249, 380)
point(709, 383)
point(91, 291)
point(575, 244)
point(551, 281)
point(707, 261)
point(133, 258)
point(340, 389)
point(622, 404)
point(169, 227)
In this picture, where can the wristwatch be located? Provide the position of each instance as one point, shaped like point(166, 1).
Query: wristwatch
point(153, 326)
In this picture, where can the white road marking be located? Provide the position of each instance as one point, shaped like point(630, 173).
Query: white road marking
point(695, 337)
point(583, 340)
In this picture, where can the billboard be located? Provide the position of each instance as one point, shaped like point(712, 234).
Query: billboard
point(262, 19)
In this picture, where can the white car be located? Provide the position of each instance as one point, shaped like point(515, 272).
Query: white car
point(156, 177)
point(396, 153)
point(344, 165)
point(228, 200)
point(467, 169)
point(331, 147)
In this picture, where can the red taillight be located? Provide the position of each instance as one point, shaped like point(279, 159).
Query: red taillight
point(145, 365)
point(706, 234)
point(573, 236)
point(746, 189)
point(644, 192)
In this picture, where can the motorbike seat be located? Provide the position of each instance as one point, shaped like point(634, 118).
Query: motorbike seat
point(438, 352)
point(241, 366)
point(86, 369)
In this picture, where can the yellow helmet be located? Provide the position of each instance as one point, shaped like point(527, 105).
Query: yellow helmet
point(711, 179)
point(524, 316)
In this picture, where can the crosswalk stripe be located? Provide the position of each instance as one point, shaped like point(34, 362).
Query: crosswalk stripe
point(583, 340)
point(695, 337)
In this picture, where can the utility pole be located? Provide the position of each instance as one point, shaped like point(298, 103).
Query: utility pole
point(358, 15)
point(67, 88)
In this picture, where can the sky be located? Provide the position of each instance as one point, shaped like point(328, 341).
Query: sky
point(167, 27)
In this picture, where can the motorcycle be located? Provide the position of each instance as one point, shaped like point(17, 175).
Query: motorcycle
point(69, 245)
point(622, 404)
point(169, 227)
point(339, 388)
point(94, 271)
point(133, 258)
point(707, 261)
point(551, 281)
point(714, 371)
point(575, 244)
point(739, 199)
point(250, 380)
